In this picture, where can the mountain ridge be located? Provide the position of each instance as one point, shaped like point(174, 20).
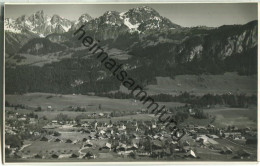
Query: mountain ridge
point(147, 44)
point(39, 21)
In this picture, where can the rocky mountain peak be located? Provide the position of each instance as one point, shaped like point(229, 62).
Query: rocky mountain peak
point(21, 19)
point(39, 17)
point(55, 18)
point(84, 18)
point(38, 23)
point(145, 18)
point(110, 17)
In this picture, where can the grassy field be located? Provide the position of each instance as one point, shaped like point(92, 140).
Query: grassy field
point(203, 84)
point(240, 117)
point(60, 104)
point(91, 103)
point(194, 121)
point(48, 147)
point(143, 117)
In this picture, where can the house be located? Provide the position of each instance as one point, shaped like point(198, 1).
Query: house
point(190, 153)
point(107, 146)
point(26, 156)
point(174, 142)
point(102, 128)
point(88, 144)
point(185, 149)
point(154, 126)
point(123, 127)
point(191, 112)
point(143, 154)
point(202, 139)
point(54, 122)
point(32, 121)
point(36, 133)
point(22, 119)
point(214, 137)
point(102, 132)
point(161, 138)
point(232, 134)
point(75, 141)
point(85, 125)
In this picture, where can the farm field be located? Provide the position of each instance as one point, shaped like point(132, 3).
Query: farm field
point(76, 132)
point(61, 102)
point(224, 116)
point(204, 84)
point(240, 117)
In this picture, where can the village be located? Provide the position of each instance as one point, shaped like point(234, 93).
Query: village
point(94, 139)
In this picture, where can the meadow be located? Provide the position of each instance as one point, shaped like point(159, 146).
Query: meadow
point(228, 83)
point(239, 117)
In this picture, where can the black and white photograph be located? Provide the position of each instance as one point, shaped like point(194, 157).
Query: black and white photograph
point(130, 82)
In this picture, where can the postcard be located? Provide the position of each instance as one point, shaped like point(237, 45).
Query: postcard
point(130, 82)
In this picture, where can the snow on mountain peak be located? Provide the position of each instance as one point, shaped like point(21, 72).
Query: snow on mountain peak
point(145, 18)
point(139, 19)
point(85, 18)
point(38, 23)
point(10, 26)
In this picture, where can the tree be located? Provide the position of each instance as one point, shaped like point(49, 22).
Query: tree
point(14, 141)
point(200, 114)
point(132, 155)
point(62, 117)
point(78, 119)
point(7, 151)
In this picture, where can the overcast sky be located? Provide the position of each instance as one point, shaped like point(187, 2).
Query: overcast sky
point(186, 15)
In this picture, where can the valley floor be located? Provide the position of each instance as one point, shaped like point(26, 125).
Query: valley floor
point(102, 137)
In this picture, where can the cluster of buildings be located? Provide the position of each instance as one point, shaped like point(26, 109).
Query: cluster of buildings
point(132, 138)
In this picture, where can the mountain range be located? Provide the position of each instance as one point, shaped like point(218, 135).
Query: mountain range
point(139, 19)
point(148, 44)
